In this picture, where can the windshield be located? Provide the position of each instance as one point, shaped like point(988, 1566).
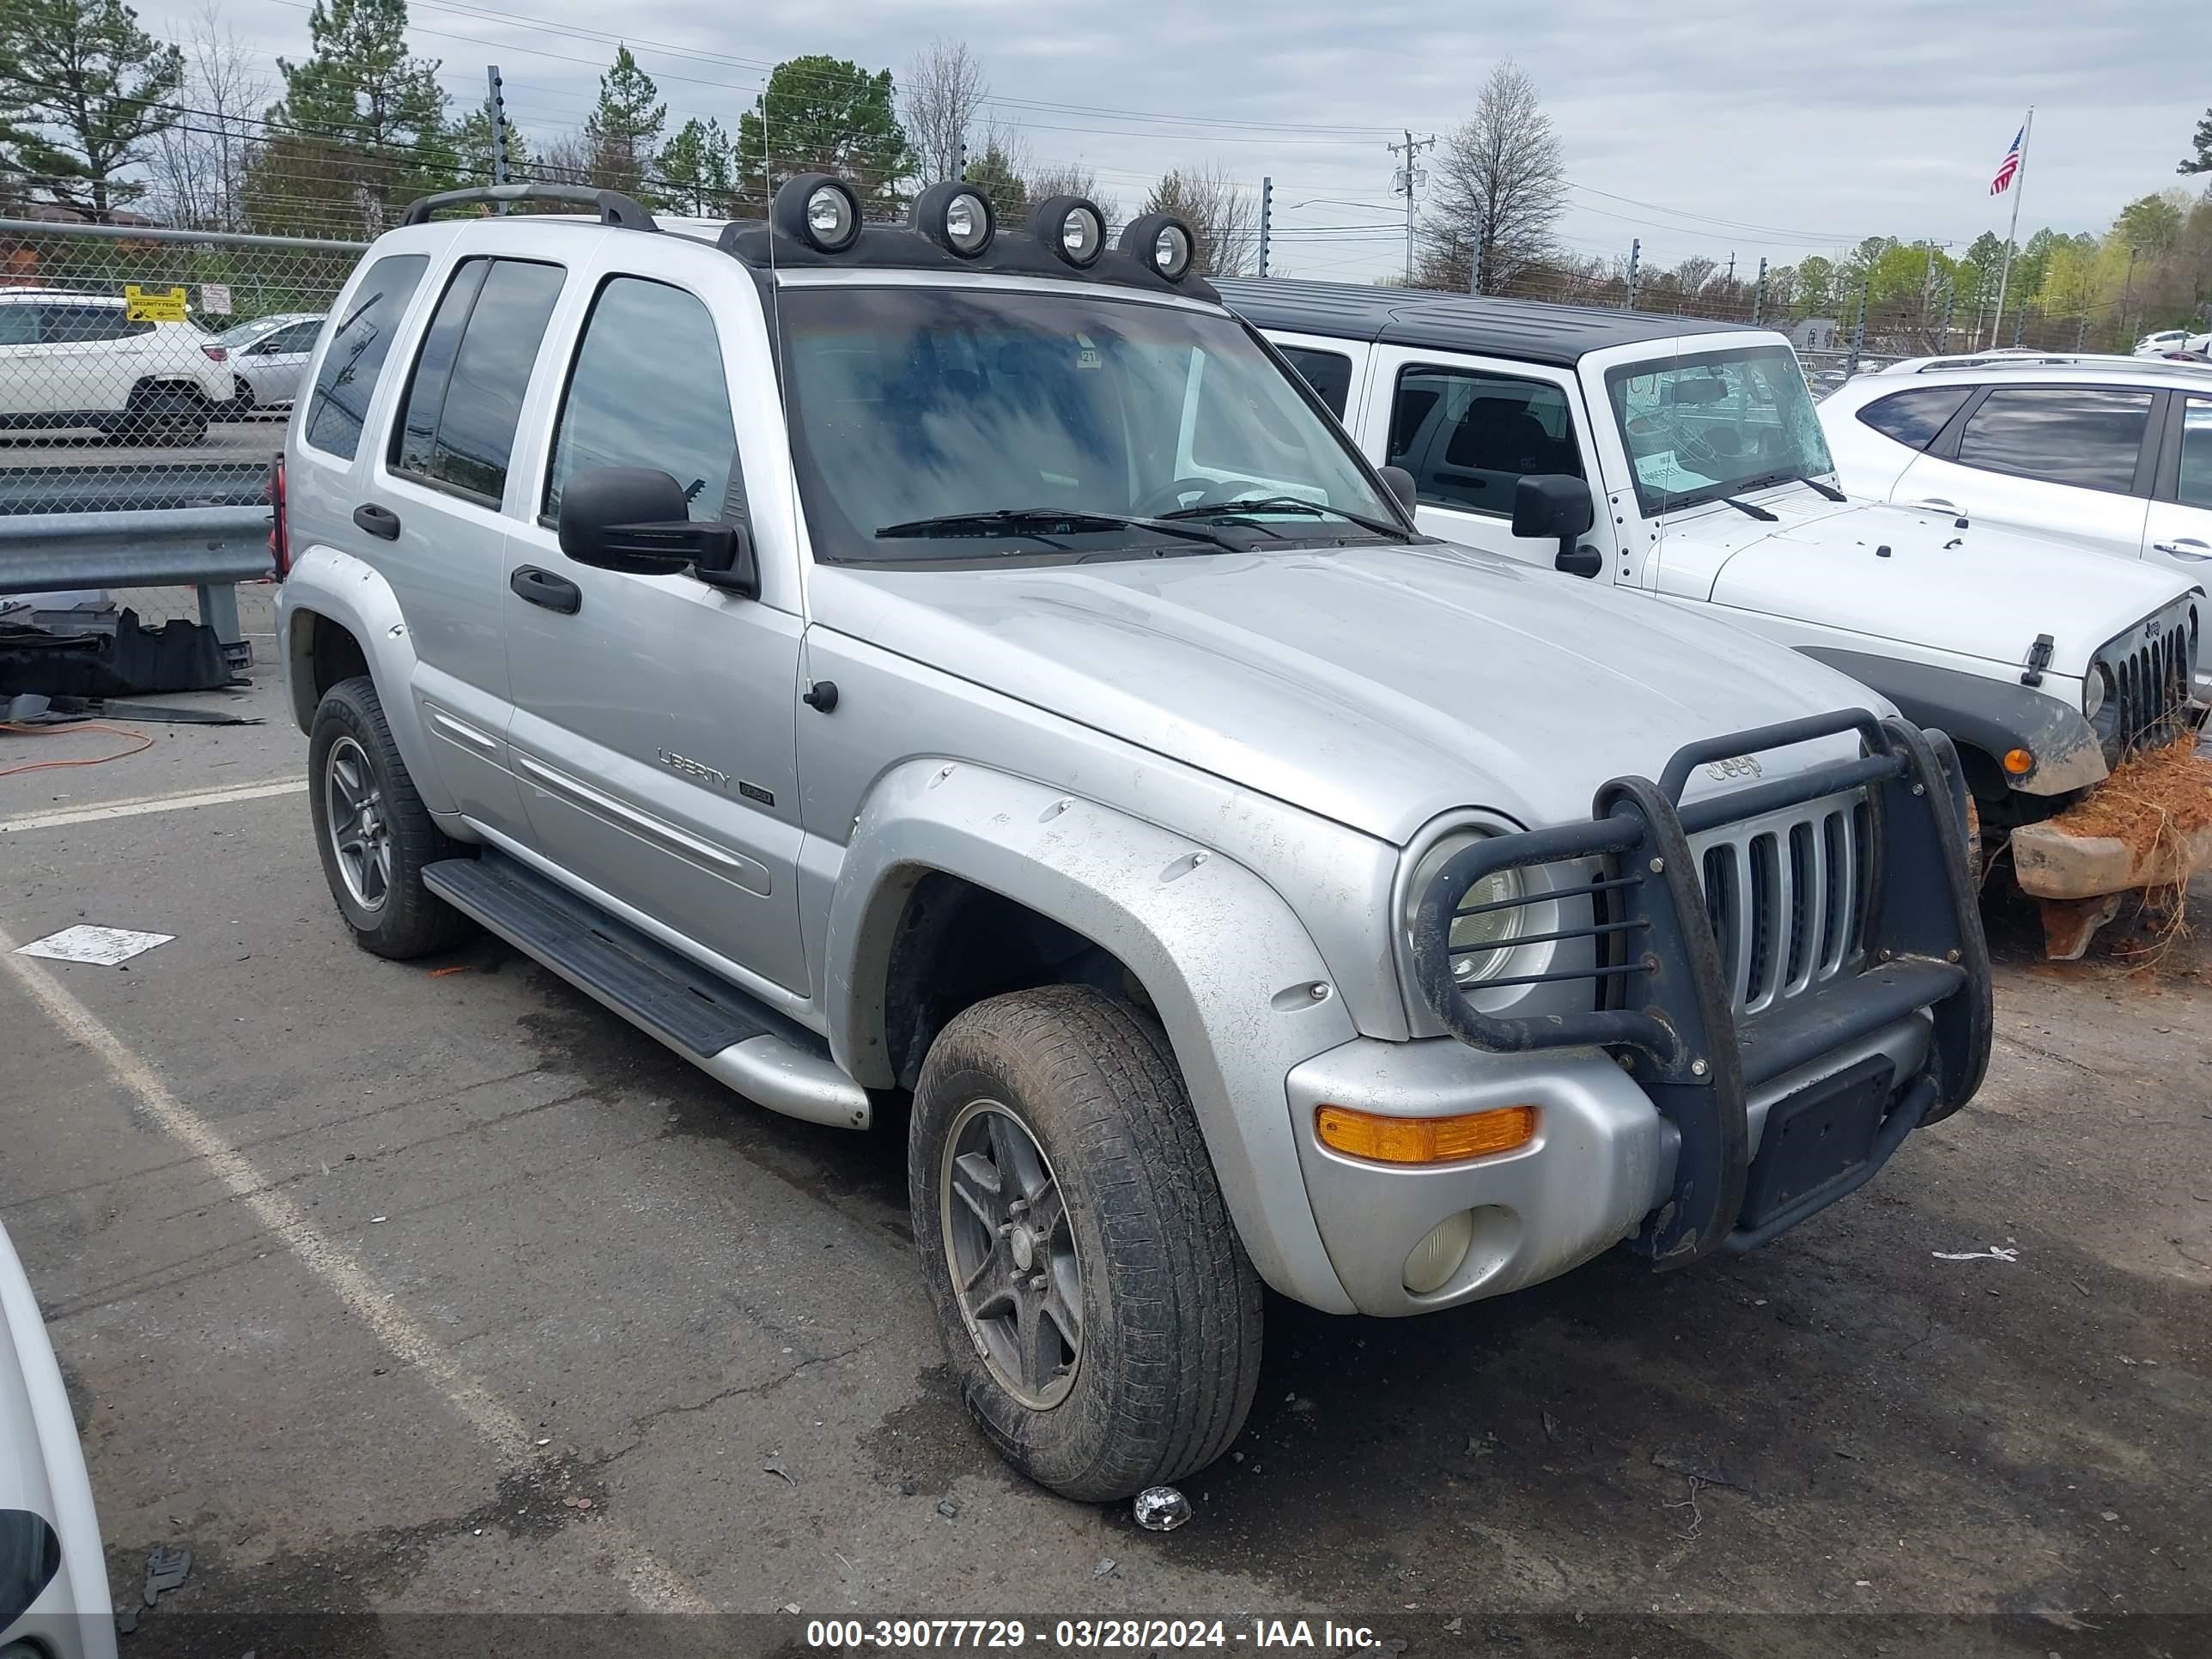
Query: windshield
point(247, 333)
point(911, 404)
point(1699, 428)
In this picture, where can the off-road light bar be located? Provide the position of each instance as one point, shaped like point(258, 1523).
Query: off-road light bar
point(1072, 227)
point(955, 216)
point(819, 211)
point(1162, 243)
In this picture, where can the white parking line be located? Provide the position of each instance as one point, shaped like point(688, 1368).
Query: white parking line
point(651, 1583)
point(133, 808)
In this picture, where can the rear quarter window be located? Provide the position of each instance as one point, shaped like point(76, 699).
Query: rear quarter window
point(1328, 373)
point(359, 342)
point(1913, 418)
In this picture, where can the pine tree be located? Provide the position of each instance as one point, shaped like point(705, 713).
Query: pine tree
point(624, 131)
point(361, 125)
point(698, 170)
point(471, 141)
point(83, 87)
point(824, 114)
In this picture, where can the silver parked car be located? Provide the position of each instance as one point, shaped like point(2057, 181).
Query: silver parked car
point(939, 666)
point(268, 356)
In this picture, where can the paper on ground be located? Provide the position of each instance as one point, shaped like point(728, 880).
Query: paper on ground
point(103, 946)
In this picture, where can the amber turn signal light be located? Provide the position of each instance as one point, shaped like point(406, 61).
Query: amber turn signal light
point(1424, 1139)
point(2018, 762)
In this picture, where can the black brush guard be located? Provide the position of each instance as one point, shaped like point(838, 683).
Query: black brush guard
point(1663, 1003)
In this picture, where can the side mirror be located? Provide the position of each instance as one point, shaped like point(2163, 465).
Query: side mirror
point(1401, 485)
point(1583, 560)
point(636, 519)
point(1554, 504)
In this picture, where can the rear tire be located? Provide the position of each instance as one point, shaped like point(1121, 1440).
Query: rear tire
point(372, 832)
point(1055, 1166)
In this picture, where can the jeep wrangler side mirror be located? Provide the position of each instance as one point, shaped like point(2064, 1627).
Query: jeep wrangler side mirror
point(637, 518)
point(1558, 504)
point(1401, 485)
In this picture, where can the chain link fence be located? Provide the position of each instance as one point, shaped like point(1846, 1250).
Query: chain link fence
point(145, 374)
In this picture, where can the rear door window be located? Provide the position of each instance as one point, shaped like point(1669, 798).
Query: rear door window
point(347, 378)
point(1328, 373)
point(464, 398)
point(1913, 418)
point(2089, 436)
point(2193, 488)
point(19, 324)
point(1469, 436)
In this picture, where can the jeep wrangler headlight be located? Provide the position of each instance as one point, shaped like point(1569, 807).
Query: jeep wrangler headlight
point(1490, 917)
point(2096, 686)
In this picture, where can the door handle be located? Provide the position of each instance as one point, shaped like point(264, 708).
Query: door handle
point(542, 587)
point(2185, 547)
point(378, 520)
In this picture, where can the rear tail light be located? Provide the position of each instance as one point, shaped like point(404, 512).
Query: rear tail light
point(280, 529)
point(216, 353)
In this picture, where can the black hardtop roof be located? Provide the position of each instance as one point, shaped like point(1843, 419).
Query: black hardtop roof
point(1520, 329)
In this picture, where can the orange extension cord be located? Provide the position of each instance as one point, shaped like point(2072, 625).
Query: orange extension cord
point(142, 742)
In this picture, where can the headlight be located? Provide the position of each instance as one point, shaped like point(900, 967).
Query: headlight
point(1488, 919)
point(2094, 689)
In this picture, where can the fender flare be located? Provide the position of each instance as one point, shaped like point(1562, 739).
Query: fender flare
point(1990, 715)
point(1230, 969)
point(354, 594)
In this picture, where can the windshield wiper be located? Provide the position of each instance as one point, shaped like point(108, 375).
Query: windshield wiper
point(1032, 521)
point(1814, 484)
point(1746, 508)
point(1287, 504)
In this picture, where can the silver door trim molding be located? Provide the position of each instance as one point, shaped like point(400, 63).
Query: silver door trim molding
point(733, 867)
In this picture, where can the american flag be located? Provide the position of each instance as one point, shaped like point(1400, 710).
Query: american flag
point(2008, 167)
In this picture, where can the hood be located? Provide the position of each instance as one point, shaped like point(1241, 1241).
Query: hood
point(1978, 592)
point(1376, 686)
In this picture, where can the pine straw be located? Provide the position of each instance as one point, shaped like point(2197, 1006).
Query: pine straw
point(2153, 803)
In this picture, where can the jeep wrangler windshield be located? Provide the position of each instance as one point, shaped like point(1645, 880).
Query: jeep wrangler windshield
point(931, 423)
point(1703, 428)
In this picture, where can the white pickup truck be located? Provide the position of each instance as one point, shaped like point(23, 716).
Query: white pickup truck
point(1683, 459)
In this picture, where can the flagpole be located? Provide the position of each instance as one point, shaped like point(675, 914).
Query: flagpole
point(2012, 231)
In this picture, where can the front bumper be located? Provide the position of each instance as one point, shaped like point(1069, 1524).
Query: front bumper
point(2057, 860)
point(1603, 1158)
point(1665, 1116)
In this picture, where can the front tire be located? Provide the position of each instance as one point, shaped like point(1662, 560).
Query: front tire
point(374, 833)
point(1097, 1308)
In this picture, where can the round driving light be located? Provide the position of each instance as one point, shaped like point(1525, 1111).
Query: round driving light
point(818, 210)
point(955, 217)
point(1163, 244)
point(1070, 226)
point(1431, 1263)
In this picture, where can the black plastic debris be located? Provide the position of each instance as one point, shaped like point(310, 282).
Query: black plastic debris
point(131, 660)
point(165, 1570)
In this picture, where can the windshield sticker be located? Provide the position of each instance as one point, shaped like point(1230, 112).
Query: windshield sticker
point(1661, 471)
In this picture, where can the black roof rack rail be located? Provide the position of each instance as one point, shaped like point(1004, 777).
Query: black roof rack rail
point(615, 208)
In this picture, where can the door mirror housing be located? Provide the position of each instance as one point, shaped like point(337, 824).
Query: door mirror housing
point(1582, 561)
point(1555, 504)
point(636, 518)
point(1401, 485)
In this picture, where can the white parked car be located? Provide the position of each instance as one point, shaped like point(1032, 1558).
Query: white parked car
point(1684, 460)
point(2110, 454)
point(53, 1572)
point(268, 356)
point(75, 361)
point(2165, 340)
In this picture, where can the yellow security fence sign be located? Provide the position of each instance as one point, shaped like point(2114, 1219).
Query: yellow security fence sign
point(153, 304)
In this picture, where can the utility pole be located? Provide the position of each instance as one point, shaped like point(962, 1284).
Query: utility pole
point(1266, 219)
point(1950, 293)
point(1758, 296)
point(1407, 180)
point(1858, 336)
point(1731, 276)
point(1635, 253)
point(496, 114)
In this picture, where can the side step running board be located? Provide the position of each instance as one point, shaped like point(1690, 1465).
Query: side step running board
point(733, 1037)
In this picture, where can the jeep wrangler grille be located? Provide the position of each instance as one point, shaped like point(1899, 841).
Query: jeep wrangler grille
point(2146, 695)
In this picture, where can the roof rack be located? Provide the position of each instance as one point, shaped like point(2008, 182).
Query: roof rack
point(615, 208)
point(2013, 358)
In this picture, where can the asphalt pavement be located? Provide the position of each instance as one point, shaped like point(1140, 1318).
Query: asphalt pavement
point(401, 1293)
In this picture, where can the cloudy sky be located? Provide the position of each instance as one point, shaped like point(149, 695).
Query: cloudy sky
point(1700, 127)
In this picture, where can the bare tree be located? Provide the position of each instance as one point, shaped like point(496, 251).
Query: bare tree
point(1225, 216)
point(943, 91)
point(1070, 179)
point(1694, 272)
point(200, 164)
point(1501, 186)
point(566, 159)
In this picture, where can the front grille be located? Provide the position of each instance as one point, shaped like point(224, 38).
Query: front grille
point(1786, 898)
point(2148, 693)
